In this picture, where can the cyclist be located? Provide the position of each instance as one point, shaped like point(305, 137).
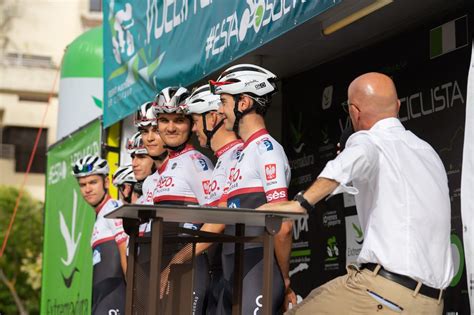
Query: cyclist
point(261, 175)
point(143, 165)
point(125, 180)
point(210, 132)
point(184, 174)
point(148, 153)
point(109, 241)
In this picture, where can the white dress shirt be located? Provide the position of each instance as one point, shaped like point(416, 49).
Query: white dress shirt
point(402, 200)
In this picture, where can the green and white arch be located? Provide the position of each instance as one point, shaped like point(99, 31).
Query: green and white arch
point(81, 86)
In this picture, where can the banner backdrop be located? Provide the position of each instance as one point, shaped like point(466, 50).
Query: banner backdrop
point(67, 263)
point(431, 86)
point(149, 45)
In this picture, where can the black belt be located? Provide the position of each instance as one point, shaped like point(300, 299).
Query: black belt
point(405, 281)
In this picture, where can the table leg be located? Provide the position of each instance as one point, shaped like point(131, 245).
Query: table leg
point(268, 248)
point(155, 266)
point(130, 275)
point(238, 271)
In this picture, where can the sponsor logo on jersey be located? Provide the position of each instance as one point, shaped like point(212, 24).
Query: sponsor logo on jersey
point(236, 154)
point(270, 171)
point(264, 145)
point(201, 164)
point(115, 203)
point(218, 164)
point(234, 174)
point(165, 182)
point(240, 157)
point(174, 165)
point(276, 194)
point(206, 186)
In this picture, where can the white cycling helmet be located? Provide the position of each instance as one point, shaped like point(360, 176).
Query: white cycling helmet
point(90, 165)
point(123, 175)
point(245, 79)
point(145, 116)
point(170, 100)
point(135, 145)
point(202, 101)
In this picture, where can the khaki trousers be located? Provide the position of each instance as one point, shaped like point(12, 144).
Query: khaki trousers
point(351, 294)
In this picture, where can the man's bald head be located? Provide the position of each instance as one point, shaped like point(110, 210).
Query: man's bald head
point(375, 97)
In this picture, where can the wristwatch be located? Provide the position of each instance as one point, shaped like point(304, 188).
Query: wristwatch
point(303, 202)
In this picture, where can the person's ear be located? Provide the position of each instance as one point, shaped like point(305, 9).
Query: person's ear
point(245, 102)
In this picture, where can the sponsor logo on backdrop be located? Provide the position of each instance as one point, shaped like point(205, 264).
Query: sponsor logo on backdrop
point(332, 251)
point(437, 99)
point(330, 218)
point(457, 251)
point(299, 268)
point(71, 240)
point(257, 15)
point(326, 100)
point(354, 238)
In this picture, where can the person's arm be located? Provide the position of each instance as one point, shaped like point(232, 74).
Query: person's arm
point(283, 243)
point(122, 247)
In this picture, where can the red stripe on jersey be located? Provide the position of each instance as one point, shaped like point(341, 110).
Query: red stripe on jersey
point(103, 240)
point(255, 135)
point(227, 147)
point(174, 198)
point(102, 204)
point(163, 167)
point(215, 203)
point(243, 191)
point(187, 148)
point(277, 195)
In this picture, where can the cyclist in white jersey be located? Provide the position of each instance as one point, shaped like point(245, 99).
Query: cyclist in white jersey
point(125, 180)
point(183, 175)
point(109, 241)
point(147, 152)
point(261, 175)
point(210, 132)
point(145, 121)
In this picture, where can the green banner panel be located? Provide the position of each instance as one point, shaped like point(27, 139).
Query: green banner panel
point(67, 262)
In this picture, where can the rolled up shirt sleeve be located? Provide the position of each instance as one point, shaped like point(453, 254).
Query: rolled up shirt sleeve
point(356, 162)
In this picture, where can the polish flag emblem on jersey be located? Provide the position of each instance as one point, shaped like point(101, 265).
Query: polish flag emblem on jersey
point(270, 171)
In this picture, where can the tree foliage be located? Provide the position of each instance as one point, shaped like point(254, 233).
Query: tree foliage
point(21, 261)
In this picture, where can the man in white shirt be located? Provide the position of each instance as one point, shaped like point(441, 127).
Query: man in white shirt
point(402, 199)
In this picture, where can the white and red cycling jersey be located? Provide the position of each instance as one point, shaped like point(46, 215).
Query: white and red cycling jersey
point(107, 230)
point(146, 198)
point(227, 156)
point(260, 175)
point(183, 178)
point(148, 188)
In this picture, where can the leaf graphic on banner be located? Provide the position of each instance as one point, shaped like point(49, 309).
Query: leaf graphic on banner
point(358, 230)
point(118, 72)
point(154, 65)
point(97, 102)
point(71, 243)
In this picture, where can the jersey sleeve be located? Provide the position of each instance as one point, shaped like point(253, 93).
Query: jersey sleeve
point(199, 178)
point(274, 170)
point(116, 226)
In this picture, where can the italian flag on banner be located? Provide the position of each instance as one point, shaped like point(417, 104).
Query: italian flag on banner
point(448, 37)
